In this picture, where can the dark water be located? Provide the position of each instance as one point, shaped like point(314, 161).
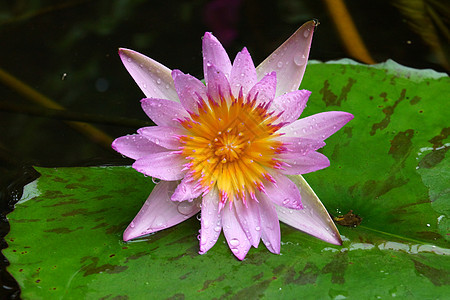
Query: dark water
point(68, 52)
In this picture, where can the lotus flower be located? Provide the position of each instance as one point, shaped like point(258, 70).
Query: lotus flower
point(229, 148)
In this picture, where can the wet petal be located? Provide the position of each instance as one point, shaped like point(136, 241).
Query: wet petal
point(313, 218)
point(189, 89)
point(236, 238)
point(159, 212)
point(163, 112)
point(214, 54)
point(318, 126)
point(217, 84)
point(289, 60)
point(162, 165)
point(163, 136)
point(153, 78)
point(270, 226)
point(243, 73)
point(250, 220)
point(302, 164)
point(300, 146)
point(291, 105)
point(284, 192)
point(186, 190)
point(135, 146)
point(264, 89)
point(211, 221)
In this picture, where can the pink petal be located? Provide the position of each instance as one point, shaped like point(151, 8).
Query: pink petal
point(300, 146)
point(313, 218)
point(153, 78)
point(318, 126)
point(159, 212)
point(250, 220)
point(188, 89)
point(302, 164)
point(162, 165)
point(163, 112)
point(289, 60)
point(284, 192)
point(217, 84)
point(214, 54)
point(291, 105)
point(163, 136)
point(243, 73)
point(264, 90)
point(211, 221)
point(270, 226)
point(135, 146)
point(236, 238)
point(186, 190)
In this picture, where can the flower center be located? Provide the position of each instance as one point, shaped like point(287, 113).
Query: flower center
point(231, 145)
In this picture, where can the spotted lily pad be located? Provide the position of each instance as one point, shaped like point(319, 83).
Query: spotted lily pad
point(389, 167)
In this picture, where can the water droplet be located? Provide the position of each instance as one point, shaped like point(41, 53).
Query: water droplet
point(157, 141)
point(199, 217)
point(280, 64)
point(235, 250)
point(129, 59)
point(156, 180)
point(234, 242)
point(141, 65)
point(160, 222)
point(286, 201)
point(186, 207)
point(306, 33)
point(144, 85)
point(257, 228)
point(132, 225)
point(158, 81)
point(217, 229)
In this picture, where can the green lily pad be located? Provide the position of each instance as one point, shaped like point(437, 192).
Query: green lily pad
point(389, 166)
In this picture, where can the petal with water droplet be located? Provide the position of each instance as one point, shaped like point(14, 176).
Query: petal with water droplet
point(233, 232)
point(214, 54)
point(186, 190)
point(290, 105)
point(318, 223)
point(270, 226)
point(147, 73)
point(211, 221)
point(135, 146)
point(302, 164)
point(157, 213)
point(264, 90)
point(243, 73)
point(284, 192)
point(189, 89)
point(250, 220)
point(163, 136)
point(318, 126)
point(163, 112)
point(289, 76)
point(162, 165)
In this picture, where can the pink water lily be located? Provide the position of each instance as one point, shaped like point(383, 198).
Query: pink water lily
point(230, 148)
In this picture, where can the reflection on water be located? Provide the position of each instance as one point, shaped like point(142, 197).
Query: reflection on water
point(404, 247)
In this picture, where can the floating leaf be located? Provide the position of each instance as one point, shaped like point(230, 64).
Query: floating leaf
point(388, 166)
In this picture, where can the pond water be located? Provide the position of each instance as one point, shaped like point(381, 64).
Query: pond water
point(67, 52)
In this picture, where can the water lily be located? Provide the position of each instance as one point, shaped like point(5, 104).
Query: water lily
point(228, 148)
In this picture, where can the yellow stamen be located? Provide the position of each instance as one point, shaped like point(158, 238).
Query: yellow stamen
point(231, 146)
